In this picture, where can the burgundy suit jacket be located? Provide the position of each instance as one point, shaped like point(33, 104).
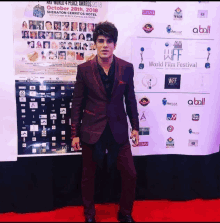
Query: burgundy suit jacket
point(91, 109)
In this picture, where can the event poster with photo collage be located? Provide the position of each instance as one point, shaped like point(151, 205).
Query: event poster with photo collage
point(50, 39)
point(53, 37)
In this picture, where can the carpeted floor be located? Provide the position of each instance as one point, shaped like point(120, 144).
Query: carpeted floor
point(143, 211)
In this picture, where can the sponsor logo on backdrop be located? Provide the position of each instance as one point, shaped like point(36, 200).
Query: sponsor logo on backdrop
point(178, 14)
point(148, 12)
point(144, 101)
point(195, 117)
point(22, 87)
point(174, 53)
point(172, 56)
point(170, 30)
point(172, 81)
point(204, 30)
point(143, 117)
point(141, 144)
point(202, 13)
point(141, 65)
point(172, 117)
point(193, 142)
point(207, 64)
point(148, 28)
point(196, 102)
point(149, 81)
point(191, 132)
point(143, 131)
point(164, 102)
point(170, 143)
point(22, 93)
point(170, 128)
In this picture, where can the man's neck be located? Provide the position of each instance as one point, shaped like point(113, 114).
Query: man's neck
point(105, 62)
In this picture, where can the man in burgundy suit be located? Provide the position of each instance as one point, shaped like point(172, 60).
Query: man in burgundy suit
point(99, 120)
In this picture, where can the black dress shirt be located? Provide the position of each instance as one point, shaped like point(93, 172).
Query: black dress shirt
point(106, 141)
point(107, 80)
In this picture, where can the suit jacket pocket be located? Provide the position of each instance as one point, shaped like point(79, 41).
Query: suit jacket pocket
point(89, 112)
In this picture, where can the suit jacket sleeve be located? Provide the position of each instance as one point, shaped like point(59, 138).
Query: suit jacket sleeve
point(78, 104)
point(130, 100)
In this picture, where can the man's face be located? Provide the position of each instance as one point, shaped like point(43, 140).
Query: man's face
point(51, 55)
point(83, 26)
point(75, 25)
point(62, 56)
point(105, 47)
point(56, 25)
point(70, 45)
point(48, 26)
point(58, 35)
point(90, 26)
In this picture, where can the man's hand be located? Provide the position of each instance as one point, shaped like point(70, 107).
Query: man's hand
point(75, 144)
point(135, 137)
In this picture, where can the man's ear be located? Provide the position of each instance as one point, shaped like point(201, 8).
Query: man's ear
point(115, 46)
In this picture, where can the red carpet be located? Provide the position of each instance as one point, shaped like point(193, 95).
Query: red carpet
point(144, 211)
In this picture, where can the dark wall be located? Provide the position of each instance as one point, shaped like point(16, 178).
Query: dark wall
point(36, 184)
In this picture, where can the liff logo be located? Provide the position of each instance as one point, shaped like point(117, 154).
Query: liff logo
point(202, 30)
point(176, 51)
point(196, 102)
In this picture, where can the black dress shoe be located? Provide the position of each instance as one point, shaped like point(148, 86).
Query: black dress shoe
point(90, 220)
point(125, 218)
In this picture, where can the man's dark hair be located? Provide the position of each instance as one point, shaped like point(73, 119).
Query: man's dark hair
point(106, 29)
point(49, 22)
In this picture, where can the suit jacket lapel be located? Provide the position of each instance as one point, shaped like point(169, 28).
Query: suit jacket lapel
point(117, 75)
point(97, 75)
point(98, 78)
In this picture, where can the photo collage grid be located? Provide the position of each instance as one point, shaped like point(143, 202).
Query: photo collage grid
point(59, 40)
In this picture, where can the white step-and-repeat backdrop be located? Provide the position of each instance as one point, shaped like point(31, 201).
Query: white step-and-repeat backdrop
point(172, 45)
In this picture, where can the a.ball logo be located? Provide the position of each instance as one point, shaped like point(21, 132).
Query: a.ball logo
point(144, 101)
point(202, 30)
point(170, 128)
point(196, 102)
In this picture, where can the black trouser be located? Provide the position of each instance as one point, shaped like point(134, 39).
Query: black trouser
point(125, 165)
